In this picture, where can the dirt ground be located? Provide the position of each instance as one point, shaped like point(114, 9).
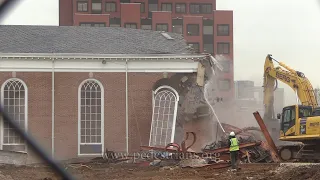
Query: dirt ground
point(135, 172)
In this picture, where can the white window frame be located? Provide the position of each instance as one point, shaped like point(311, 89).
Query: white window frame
point(25, 112)
point(154, 94)
point(102, 118)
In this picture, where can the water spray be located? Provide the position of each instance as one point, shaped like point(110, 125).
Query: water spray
point(211, 107)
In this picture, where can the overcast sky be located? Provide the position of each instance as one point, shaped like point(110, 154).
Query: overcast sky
point(287, 29)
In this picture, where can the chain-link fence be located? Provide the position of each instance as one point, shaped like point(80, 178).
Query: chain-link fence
point(4, 5)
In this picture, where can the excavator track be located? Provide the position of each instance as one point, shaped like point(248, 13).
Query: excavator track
point(301, 153)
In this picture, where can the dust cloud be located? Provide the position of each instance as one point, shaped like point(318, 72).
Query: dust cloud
point(235, 112)
point(195, 113)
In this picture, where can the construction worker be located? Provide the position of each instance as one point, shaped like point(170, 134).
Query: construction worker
point(234, 150)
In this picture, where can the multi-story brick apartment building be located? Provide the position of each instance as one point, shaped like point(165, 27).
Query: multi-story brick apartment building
point(205, 28)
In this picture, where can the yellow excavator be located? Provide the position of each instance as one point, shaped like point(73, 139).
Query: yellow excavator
point(299, 123)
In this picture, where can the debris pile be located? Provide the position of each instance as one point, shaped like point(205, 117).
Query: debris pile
point(215, 154)
point(258, 153)
point(253, 153)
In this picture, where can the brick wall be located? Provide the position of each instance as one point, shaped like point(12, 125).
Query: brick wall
point(39, 104)
point(140, 110)
point(66, 109)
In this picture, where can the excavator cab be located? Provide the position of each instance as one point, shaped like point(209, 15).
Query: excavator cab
point(288, 120)
point(291, 115)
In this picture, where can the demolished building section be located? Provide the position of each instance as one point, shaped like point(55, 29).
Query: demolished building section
point(194, 116)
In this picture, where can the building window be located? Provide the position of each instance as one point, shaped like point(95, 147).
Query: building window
point(111, 7)
point(146, 24)
point(208, 48)
point(177, 29)
point(93, 24)
point(206, 8)
point(165, 104)
point(180, 8)
point(14, 98)
point(223, 30)
point(193, 29)
point(82, 6)
point(208, 30)
point(85, 24)
point(96, 6)
point(146, 27)
point(225, 65)
point(195, 47)
point(130, 25)
point(142, 7)
point(224, 84)
point(223, 48)
point(194, 8)
point(200, 8)
point(162, 27)
point(91, 117)
point(114, 22)
point(166, 7)
point(99, 24)
point(153, 7)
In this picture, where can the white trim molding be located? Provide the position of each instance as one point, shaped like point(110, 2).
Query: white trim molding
point(99, 63)
point(102, 56)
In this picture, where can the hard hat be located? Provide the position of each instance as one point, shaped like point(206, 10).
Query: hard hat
point(232, 134)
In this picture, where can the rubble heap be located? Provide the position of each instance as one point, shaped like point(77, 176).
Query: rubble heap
point(251, 150)
point(250, 154)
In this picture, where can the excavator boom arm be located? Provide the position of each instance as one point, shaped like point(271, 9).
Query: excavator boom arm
point(295, 79)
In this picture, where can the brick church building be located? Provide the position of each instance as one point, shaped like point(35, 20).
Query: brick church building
point(81, 90)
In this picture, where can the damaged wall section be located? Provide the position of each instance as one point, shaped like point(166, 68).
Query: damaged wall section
point(192, 107)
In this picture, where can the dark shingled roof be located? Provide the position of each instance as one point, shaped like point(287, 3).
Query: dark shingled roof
point(91, 40)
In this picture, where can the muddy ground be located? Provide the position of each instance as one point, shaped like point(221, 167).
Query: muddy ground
point(135, 172)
